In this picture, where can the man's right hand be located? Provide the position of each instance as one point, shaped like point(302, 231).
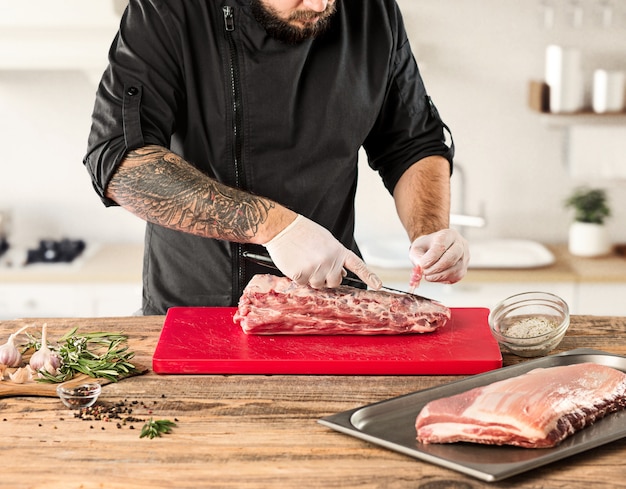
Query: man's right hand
point(441, 257)
point(309, 254)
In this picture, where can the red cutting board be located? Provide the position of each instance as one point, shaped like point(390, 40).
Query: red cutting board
point(204, 340)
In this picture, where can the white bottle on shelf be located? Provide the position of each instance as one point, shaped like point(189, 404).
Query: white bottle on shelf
point(608, 91)
point(564, 76)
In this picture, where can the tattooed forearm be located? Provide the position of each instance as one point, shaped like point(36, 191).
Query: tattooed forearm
point(162, 188)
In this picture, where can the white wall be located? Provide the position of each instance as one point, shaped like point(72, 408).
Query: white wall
point(45, 119)
point(476, 56)
point(44, 127)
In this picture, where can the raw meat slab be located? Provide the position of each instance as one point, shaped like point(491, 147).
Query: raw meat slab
point(204, 340)
point(391, 424)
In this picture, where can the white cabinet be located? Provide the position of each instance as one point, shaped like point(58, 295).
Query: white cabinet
point(34, 300)
point(602, 299)
point(592, 298)
point(488, 294)
point(115, 299)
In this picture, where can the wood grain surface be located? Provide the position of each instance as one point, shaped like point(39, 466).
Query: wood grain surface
point(251, 431)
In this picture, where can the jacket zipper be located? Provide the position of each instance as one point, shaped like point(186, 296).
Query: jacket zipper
point(238, 263)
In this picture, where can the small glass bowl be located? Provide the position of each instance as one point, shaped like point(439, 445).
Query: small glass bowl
point(79, 396)
point(530, 324)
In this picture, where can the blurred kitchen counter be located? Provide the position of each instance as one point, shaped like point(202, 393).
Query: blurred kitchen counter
point(105, 280)
point(100, 263)
point(123, 263)
point(566, 268)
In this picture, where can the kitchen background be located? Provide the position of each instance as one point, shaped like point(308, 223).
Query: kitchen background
point(515, 166)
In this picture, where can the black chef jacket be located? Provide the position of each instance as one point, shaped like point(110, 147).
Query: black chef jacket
point(203, 78)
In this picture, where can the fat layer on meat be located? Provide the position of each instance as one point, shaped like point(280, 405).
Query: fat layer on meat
point(536, 410)
point(277, 305)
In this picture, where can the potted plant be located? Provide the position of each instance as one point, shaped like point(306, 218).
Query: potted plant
point(588, 235)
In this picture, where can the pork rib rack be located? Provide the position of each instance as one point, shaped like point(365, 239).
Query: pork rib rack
point(277, 305)
point(536, 410)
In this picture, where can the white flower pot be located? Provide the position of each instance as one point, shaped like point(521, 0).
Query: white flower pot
point(588, 239)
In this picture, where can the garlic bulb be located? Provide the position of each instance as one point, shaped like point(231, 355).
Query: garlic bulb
point(45, 358)
point(9, 354)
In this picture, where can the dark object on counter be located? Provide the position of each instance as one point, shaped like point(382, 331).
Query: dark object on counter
point(51, 251)
point(539, 96)
point(4, 245)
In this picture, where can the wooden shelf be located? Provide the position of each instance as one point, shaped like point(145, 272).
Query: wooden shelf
point(583, 119)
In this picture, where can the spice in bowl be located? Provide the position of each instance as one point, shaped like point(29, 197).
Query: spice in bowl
point(530, 327)
point(79, 396)
point(530, 324)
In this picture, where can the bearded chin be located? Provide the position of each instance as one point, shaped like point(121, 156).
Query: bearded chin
point(282, 30)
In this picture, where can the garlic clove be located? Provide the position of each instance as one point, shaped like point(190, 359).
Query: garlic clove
point(48, 367)
point(22, 375)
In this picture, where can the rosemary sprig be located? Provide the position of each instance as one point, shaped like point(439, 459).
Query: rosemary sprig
point(98, 355)
point(153, 428)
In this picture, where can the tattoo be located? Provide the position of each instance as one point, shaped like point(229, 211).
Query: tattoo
point(160, 187)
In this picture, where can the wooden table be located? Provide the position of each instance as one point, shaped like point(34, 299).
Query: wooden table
point(251, 431)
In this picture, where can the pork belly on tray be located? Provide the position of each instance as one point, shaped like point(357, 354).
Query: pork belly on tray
point(536, 410)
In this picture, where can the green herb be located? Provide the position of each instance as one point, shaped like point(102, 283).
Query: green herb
point(154, 428)
point(590, 205)
point(98, 355)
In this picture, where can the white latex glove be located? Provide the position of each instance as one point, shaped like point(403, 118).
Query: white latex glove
point(443, 256)
point(309, 254)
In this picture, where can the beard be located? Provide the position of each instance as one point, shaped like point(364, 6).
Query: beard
point(291, 30)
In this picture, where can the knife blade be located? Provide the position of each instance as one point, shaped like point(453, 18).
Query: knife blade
point(266, 261)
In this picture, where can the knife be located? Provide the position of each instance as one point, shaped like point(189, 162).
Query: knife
point(266, 261)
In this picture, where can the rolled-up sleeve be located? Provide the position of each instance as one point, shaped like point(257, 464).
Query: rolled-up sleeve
point(409, 127)
point(137, 98)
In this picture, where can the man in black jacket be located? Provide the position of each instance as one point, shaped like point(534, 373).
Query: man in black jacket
point(235, 125)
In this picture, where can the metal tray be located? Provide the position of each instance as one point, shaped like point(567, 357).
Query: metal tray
point(391, 424)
